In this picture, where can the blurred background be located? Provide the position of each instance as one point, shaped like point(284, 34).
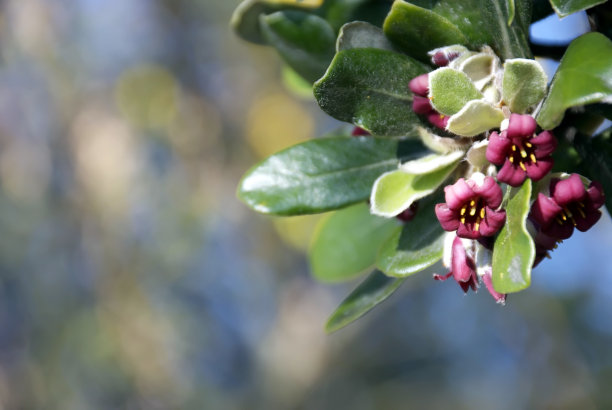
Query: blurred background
point(132, 278)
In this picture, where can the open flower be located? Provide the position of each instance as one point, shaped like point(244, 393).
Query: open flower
point(471, 207)
point(569, 205)
point(462, 267)
point(421, 104)
point(521, 153)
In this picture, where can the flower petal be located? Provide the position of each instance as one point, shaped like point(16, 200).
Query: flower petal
point(499, 297)
point(457, 194)
point(538, 170)
point(511, 174)
point(544, 210)
point(521, 126)
point(596, 194)
point(465, 232)
point(544, 144)
point(461, 266)
point(492, 222)
point(568, 190)
point(420, 85)
point(421, 105)
point(447, 217)
point(560, 231)
point(590, 218)
point(438, 120)
point(498, 148)
point(490, 192)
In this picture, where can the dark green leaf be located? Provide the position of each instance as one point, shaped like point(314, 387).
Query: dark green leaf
point(369, 88)
point(514, 250)
point(566, 7)
point(306, 42)
point(322, 174)
point(416, 30)
point(346, 242)
point(375, 289)
point(360, 34)
point(583, 77)
point(245, 20)
point(413, 248)
point(596, 154)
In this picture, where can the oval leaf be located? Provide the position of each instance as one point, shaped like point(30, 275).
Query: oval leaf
point(583, 77)
point(450, 90)
point(416, 30)
point(372, 291)
point(430, 163)
point(346, 243)
point(476, 117)
point(360, 34)
point(395, 191)
point(566, 7)
point(369, 88)
point(415, 247)
point(306, 42)
point(514, 250)
point(523, 85)
point(321, 175)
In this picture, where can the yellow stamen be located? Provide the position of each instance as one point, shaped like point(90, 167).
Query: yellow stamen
point(533, 158)
point(482, 213)
point(511, 159)
point(564, 217)
point(476, 226)
point(514, 148)
point(463, 219)
point(567, 212)
point(528, 145)
point(522, 166)
point(463, 211)
point(580, 204)
point(523, 153)
point(472, 211)
point(472, 202)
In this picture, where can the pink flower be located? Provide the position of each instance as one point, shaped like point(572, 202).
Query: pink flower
point(569, 205)
point(421, 104)
point(358, 132)
point(470, 207)
point(409, 213)
point(488, 281)
point(463, 269)
point(521, 153)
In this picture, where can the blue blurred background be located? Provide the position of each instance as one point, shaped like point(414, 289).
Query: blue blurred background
point(131, 277)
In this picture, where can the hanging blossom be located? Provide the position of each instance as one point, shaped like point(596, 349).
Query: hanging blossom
point(471, 207)
point(421, 103)
point(520, 151)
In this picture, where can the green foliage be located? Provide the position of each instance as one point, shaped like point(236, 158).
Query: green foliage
point(476, 117)
point(566, 7)
point(524, 84)
point(582, 78)
point(360, 34)
point(514, 250)
point(346, 242)
point(450, 90)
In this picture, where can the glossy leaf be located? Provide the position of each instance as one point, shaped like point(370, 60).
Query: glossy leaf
point(450, 90)
point(476, 117)
point(583, 77)
point(306, 42)
point(369, 88)
point(523, 85)
point(596, 154)
point(566, 7)
point(245, 19)
point(360, 34)
point(416, 30)
point(395, 191)
point(346, 242)
point(322, 174)
point(514, 250)
point(372, 291)
point(415, 247)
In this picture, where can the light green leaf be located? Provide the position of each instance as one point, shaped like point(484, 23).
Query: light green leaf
point(450, 90)
point(566, 7)
point(476, 117)
point(511, 11)
point(306, 42)
point(480, 68)
point(369, 88)
point(514, 250)
point(395, 191)
point(583, 77)
point(346, 242)
point(359, 34)
point(523, 85)
point(416, 30)
point(372, 291)
point(295, 83)
point(418, 245)
point(322, 174)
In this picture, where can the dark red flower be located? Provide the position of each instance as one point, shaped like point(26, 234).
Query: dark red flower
point(421, 103)
point(358, 132)
point(521, 153)
point(471, 207)
point(463, 269)
point(569, 205)
point(409, 213)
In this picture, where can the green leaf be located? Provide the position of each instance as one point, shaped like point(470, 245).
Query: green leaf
point(566, 7)
point(306, 42)
point(372, 291)
point(369, 88)
point(583, 77)
point(395, 191)
point(476, 117)
point(596, 154)
point(450, 90)
point(514, 250)
point(415, 247)
point(416, 30)
point(523, 85)
point(346, 242)
point(245, 19)
point(480, 68)
point(322, 174)
point(511, 11)
point(360, 34)
point(295, 83)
